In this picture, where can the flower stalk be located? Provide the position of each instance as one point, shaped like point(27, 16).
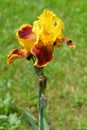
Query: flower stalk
point(41, 98)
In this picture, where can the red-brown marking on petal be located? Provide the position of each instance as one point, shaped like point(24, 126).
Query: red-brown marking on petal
point(58, 42)
point(25, 32)
point(70, 43)
point(17, 54)
point(61, 40)
point(44, 54)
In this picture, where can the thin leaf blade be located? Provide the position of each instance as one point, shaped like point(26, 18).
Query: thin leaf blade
point(31, 119)
point(46, 126)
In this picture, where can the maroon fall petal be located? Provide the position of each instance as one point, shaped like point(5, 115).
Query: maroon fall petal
point(43, 54)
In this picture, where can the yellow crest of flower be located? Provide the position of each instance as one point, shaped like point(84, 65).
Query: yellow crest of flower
point(48, 28)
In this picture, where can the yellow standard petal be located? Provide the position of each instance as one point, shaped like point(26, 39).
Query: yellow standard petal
point(26, 37)
point(48, 28)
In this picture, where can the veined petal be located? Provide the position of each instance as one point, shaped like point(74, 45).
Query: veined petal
point(48, 28)
point(17, 54)
point(43, 54)
point(25, 36)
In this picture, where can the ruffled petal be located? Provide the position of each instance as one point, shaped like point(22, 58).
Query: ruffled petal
point(17, 54)
point(26, 37)
point(48, 28)
point(43, 54)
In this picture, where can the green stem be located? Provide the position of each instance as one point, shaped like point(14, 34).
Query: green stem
point(40, 111)
point(41, 89)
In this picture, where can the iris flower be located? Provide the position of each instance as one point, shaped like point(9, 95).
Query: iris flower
point(40, 39)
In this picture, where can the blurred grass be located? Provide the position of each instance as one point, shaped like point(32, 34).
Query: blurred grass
point(67, 73)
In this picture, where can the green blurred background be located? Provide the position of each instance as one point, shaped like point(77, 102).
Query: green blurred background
point(67, 73)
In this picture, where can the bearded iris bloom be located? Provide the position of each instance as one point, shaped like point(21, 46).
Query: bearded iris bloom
point(40, 39)
point(38, 42)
